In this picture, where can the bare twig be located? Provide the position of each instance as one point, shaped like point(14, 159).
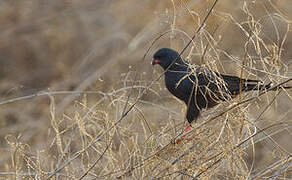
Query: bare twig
point(96, 161)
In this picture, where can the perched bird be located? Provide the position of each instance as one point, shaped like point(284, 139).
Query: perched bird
point(199, 87)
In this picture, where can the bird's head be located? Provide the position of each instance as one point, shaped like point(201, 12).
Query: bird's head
point(165, 57)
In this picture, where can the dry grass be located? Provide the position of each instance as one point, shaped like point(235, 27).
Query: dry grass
point(106, 115)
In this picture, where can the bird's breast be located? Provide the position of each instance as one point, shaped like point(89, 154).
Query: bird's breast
point(178, 85)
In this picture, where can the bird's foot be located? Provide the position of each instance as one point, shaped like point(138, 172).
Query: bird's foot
point(184, 137)
point(189, 127)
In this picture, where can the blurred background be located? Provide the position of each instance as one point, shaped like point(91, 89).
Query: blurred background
point(70, 45)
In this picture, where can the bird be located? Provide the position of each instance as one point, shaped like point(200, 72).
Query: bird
point(199, 87)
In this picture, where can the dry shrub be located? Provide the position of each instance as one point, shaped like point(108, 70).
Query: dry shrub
point(126, 129)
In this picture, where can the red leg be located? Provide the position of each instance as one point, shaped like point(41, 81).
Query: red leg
point(189, 127)
point(179, 140)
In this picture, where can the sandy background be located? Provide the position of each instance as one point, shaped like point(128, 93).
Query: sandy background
point(58, 47)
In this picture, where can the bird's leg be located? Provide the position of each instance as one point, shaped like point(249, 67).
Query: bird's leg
point(192, 114)
point(188, 128)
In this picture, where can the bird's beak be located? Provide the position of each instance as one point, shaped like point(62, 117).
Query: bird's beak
point(155, 61)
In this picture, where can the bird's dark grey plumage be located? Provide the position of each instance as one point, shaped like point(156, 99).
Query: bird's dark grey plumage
point(199, 87)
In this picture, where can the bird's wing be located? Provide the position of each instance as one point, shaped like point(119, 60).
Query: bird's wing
point(205, 77)
point(211, 84)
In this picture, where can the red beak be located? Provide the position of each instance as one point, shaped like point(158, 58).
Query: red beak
point(155, 61)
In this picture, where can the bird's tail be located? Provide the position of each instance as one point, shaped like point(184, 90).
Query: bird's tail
point(251, 85)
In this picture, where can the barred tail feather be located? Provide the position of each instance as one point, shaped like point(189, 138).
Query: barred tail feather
point(258, 86)
point(261, 86)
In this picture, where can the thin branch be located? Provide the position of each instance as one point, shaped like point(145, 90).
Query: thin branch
point(96, 161)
